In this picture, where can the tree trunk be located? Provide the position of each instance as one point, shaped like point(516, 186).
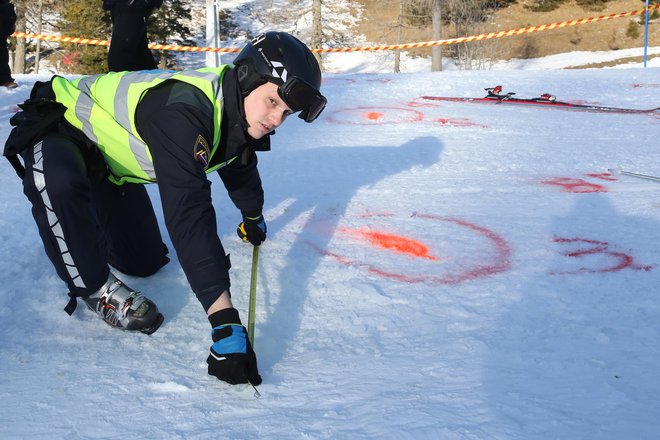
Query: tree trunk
point(37, 55)
point(436, 51)
point(317, 31)
point(19, 54)
point(399, 30)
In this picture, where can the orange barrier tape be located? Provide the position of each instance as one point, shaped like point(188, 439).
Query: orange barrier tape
point(61, 39)
point(500, 34)
point(527, 30)
point(78, 40)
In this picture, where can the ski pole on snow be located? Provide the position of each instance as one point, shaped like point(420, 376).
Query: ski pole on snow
point(628, 173)
point(252, 304)
point(253, 296)
point(253, 293)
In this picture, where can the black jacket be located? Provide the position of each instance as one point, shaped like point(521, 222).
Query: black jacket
point(175, 120)
point(108, 5)
point(7, 19)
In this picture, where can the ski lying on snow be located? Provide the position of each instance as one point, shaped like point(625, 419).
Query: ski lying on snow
point(495, 96)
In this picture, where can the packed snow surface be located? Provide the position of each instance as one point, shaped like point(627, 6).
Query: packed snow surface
point(440, 270)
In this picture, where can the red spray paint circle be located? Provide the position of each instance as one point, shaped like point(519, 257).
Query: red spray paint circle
point(487, 252)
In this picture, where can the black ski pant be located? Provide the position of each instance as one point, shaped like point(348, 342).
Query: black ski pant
point(5, 71)
point(86, 222)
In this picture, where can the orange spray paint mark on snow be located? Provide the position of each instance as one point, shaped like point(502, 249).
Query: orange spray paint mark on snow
point(374, 116)
point(396, 243)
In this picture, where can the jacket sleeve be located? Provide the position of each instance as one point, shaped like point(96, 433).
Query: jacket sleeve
point(175, 122)
point(7, 20)
point(109, 4)
point(243, 183)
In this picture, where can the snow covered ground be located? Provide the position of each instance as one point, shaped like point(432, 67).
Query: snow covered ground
point(433, 270)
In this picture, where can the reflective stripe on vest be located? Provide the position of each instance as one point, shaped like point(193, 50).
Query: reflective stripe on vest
point(103, 108)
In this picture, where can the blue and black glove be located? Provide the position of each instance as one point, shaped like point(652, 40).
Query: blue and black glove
point(252, 229)
point(232, 358)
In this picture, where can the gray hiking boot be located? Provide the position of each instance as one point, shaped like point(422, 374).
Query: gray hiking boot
point(122, 307)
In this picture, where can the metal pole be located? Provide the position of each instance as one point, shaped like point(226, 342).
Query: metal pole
point(212, 59)
point(216, 37)
point(253, 294)
point(646, 32)
point(628, 173)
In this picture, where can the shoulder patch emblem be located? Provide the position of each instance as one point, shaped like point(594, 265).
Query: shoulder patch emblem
point(202, 151)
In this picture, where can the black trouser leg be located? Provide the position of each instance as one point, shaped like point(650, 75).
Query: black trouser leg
point(129, 45)
point(84, 222)
point(5, 71)
point(130, 228)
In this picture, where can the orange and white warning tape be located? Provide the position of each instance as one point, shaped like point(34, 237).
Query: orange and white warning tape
point(61, 39)
point(509, 33)
point(527, 30)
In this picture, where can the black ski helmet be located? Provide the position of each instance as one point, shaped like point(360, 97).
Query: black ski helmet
point(282, 59)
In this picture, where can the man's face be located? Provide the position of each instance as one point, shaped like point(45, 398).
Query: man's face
point(264, 110)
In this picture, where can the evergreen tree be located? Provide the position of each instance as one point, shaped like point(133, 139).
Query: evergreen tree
point(168, 25)
point(85, 19)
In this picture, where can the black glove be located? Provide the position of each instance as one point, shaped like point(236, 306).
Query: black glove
point(252, 229)
point(232, 358)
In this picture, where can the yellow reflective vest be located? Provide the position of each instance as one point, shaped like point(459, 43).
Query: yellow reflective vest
point(103, 108)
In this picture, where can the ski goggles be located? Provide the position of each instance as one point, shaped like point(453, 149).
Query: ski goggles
point(301, 97)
